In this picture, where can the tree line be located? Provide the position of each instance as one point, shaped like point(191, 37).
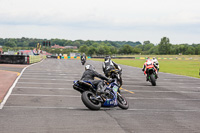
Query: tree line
point(106, 47)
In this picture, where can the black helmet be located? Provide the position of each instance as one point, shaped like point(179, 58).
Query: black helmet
point(89, 67)
point(107, 58)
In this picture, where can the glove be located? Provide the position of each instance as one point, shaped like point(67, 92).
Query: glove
point(143, 70)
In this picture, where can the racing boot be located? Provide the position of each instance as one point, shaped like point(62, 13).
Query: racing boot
point(156, 76)
point(100, 89)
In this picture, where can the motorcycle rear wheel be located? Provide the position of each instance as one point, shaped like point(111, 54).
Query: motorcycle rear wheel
point(82, 62)
point(89, 100)
point(122, 102)
point(153, 80)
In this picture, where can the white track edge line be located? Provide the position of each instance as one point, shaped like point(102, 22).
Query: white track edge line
point(13, 85)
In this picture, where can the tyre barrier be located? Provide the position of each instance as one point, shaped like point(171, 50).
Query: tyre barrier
point(14, 59)
point(20, 59)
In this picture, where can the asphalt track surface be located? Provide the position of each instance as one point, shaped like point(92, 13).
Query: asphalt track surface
point(43, 101)
point(14, 69)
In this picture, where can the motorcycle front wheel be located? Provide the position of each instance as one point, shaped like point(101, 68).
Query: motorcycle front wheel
point(122, 102)
point(90, 101)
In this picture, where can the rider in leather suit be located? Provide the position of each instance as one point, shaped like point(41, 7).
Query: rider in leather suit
point(145, 67)
point(83, 57)
point(109, 65)
point(90, 74)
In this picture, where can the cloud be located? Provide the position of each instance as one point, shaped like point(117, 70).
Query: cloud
point(134, 17)
point(115, 12)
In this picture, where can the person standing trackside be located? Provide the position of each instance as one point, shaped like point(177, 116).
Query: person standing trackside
point(60, 55)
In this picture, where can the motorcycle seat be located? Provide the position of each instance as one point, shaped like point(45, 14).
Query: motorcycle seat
point(86, 83)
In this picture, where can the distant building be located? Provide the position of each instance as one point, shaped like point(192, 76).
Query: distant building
point(71, 47)
point(64, 47)
point(25, 52)
point(57, 46)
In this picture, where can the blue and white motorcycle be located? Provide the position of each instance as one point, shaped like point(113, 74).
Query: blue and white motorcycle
point(111, 97)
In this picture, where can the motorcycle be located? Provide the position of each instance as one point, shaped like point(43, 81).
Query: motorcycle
point(83, 62)
point(94, 101)
point(116, 74)
point(151, 75)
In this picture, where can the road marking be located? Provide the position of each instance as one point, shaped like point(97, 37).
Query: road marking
point(46, 76)
point(166, 91)
point(189, 83)
point(165, 110)
point(40, 95)
point(43, 107)
point(174, 99)
point(181, 80)
point(43, 83)
point(13, 85)
point(47, 79)
point(52, 74)
point(116, 108)
point(126, 90)
point(45, 88)
point(12, 72)
point(144, 86)
point(44, 71)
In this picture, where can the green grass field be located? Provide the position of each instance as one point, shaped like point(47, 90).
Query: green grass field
point(162, 56)
point(180, 67)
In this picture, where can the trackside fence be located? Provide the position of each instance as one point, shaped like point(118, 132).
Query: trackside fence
point(20, 59)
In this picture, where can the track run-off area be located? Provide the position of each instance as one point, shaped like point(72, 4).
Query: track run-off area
point(44, 101)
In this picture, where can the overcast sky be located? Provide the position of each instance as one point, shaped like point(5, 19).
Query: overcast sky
point(115, 20)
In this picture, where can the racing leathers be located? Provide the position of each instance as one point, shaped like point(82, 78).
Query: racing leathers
point(83, 57)
point(89, 75)
point(155, 61)
point(109, 65)
point(149, 64)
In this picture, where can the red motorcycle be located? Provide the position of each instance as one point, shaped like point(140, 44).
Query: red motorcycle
point(151, 72)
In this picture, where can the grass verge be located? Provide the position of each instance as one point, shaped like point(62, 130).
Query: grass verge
point(179, 67)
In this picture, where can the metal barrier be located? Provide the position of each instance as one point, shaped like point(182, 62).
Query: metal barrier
point(20, 59)
point(14, 59)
